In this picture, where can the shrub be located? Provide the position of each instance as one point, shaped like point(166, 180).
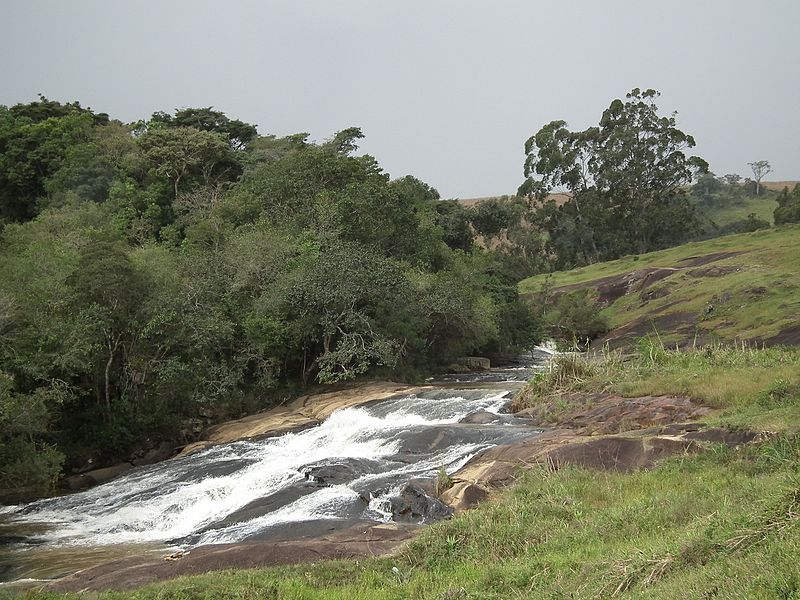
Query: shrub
point(575, 320)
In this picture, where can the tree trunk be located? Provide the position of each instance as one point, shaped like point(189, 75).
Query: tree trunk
point(112, 345)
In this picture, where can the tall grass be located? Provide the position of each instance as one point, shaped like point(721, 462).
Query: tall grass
point(721, 376)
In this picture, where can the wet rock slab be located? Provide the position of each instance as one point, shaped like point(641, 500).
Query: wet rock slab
point(595, 431)
point(359, 541)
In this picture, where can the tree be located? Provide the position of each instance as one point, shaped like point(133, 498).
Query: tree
point(109, 292)
point(31, 151)
point(454, 221)
point(760, 169)
point(176, 153)
point(626, 180)
point(495, 215)
point(706, 188)
point(788, 210)
point(238, 133)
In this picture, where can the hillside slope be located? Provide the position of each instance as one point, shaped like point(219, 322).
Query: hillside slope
point(738, 287)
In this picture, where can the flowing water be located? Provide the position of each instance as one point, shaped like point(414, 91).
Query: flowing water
point(346, 470)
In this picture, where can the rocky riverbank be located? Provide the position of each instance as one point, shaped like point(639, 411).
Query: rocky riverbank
point(597, 431)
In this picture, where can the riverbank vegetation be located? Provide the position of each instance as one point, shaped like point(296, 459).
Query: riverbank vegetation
point(159, 276)
point(722, 523)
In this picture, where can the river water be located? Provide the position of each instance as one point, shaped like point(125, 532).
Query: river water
point(348, 469)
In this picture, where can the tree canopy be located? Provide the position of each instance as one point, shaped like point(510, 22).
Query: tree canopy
point(625, 178)
point(185, 269)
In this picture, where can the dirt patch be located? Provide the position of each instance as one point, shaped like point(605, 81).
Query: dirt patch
point(603, 413)
point(715, 271)
point(360, 541)
point(698, 261)
point(653, 293)
point(610, 289)
point(788, 336)
point(677, 322)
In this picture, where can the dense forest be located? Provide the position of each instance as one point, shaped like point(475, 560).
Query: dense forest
point(159, 275)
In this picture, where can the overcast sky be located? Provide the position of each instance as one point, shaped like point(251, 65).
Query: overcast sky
point(445, 90)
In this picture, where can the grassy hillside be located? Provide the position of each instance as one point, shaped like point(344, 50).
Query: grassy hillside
point(724, 523)
point(762, 207)
point(744, 287)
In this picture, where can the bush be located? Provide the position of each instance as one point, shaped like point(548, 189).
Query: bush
point(575, 320)
point(788, 210)
point(751, 223)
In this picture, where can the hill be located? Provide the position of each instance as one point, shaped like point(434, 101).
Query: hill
point(738, 287)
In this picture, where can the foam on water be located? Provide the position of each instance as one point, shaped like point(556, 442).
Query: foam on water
point(181, 497)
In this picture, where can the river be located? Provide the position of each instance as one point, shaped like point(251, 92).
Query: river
point(348, 469)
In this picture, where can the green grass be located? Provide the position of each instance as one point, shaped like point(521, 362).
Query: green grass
point(762, 206)
point(754, 302)
point(749, 387)
point(721, 524)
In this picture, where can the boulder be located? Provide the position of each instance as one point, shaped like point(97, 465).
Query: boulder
point(160, 452)
point(337, 473)
point(96, 477)
point(481, 417)
point(477, 363)
point(464, 496)
point(415, 505)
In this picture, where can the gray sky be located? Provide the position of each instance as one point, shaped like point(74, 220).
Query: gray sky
point(445, 90)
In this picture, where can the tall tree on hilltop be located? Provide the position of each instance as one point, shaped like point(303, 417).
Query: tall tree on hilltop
point(626, 179)
point(761, 168)
point(238, 133)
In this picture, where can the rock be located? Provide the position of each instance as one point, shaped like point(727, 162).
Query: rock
point(162, 451)
point(413, 504)
point(337, 473)
point(360, 541)
point(464, 496)
point(96, 477)
point(305, 411)
point(617, 453)
point(730, 437)
point(481, 417)
point(601, 413)
point(477, 363)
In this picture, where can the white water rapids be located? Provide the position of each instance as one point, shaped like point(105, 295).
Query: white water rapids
point(258, 489)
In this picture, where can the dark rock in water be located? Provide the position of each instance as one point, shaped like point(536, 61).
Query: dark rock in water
point(338, 473)
point(481, 417)
point(413, 504)
point(96, 477)
point(436, 439)
point(160, 452)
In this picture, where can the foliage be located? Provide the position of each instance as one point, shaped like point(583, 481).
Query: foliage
point(238, 133)
point(185, 269)
point(625, 179)
point(788, 210)
point(575, 320)
point(751, 223)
